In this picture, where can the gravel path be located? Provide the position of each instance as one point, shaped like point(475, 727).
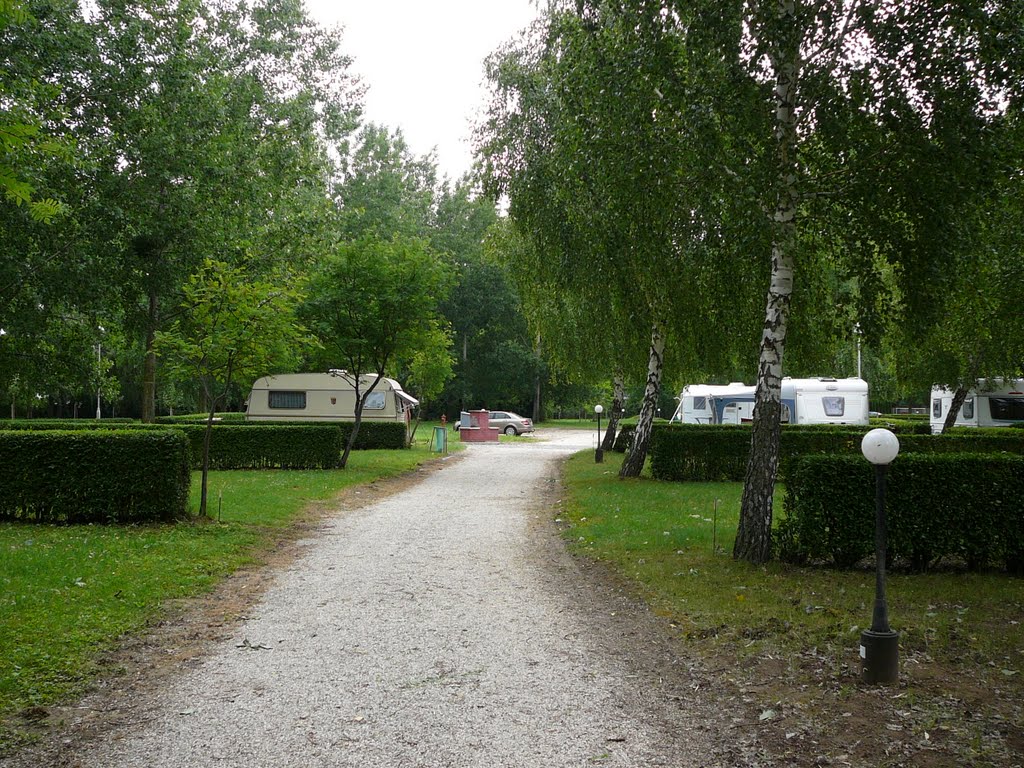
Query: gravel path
point(443, 626)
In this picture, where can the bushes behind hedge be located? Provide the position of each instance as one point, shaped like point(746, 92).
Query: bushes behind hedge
point(95, 476)
point(709, 453)
point(967, 506)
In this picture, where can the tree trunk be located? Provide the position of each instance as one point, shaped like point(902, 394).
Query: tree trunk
point(954, 408)
point(637, 455)
point(753, 537)
point(537, 387)
point(615, 414)
point(149, 365)
point(206, 463)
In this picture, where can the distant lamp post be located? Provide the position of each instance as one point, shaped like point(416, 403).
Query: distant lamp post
point(879, 646)
point(599, 454)
point(99, 373)
point(858, 333)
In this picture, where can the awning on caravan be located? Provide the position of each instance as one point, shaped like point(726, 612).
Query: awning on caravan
point(408, 398)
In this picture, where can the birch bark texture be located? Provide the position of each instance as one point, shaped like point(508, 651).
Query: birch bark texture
point(753, 536)
point(637, 455)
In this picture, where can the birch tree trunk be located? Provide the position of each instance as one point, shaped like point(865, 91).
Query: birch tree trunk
point(634, 462)
point(753, 537)
point(615, 414)
point(149, 363)
point(954, 408)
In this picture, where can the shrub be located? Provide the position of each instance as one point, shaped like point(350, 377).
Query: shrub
point(624, 439)
point(965, 506)
point(40, 424)
point(264, 446)
point(699, 452)
point(93, 476)
point(376, 435)
point(232, 417)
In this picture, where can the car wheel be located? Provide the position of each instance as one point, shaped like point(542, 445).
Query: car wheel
point(510, 430)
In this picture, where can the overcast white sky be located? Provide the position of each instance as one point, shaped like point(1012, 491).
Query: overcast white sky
point(422, 61)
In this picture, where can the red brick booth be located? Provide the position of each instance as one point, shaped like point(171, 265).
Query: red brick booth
point(475, 427)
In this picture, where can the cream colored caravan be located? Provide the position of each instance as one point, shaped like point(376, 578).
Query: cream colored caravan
point(327, 396)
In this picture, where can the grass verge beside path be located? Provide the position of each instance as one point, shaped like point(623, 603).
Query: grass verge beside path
point(786, 639)
point(67, 593)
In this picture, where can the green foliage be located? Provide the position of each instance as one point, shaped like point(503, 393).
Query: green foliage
point(231, 327)
point(93, 476)
point(263, 446)
point(958, 505)
point(376, 435)
point(624, 439)
point(698, 452)
point(201, 418)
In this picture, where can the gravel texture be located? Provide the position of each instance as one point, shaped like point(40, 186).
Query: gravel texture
point(442, 626)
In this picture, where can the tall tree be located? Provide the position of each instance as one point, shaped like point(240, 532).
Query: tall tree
point(371, 303)
point(853, 101)
point(230, 329)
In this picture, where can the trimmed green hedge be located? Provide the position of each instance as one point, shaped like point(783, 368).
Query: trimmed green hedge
point(376, 435)
point(265, 446)
point(902, 425)
point(964, 506)
point(624, 440)
point(372, 434)
point(67, 423)
point(200, 418)
point(93, 476)
point(710, 453)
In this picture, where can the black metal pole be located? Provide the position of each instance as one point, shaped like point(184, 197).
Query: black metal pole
point(880, 616)
point(879, 646)
point(599, 453)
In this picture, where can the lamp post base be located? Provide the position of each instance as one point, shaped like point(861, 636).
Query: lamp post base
point(880, 656)
point(599, 455)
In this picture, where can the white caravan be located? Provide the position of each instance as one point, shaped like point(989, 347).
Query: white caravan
point(327, 396)
point(695, 403)
point(993, 403)
point(804, 401)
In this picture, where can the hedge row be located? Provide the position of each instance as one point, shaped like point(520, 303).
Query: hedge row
point(964, 506)
point(709, 453)
point(372, 434)
point(624, 439)
point(94, 476)
point(200, 418)
point(902, 425)
point(65, 423)
point(265, 446)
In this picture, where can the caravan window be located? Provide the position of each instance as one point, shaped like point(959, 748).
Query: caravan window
point(937, 408)
point(967, 410)
point(375, 401)
point(1007, 408)
point(294, 401)
point(834, 406)
point(700, 403)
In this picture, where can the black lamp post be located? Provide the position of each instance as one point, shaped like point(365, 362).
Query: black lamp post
point(879, 646)
point(599, 453)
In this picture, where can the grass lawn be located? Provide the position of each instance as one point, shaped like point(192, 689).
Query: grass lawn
point(68, 592)
point(961, 635)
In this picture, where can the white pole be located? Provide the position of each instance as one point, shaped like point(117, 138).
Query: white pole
point(856, 330)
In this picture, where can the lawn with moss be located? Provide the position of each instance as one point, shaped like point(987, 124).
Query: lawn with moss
point(961, 634)
point(68, 592)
